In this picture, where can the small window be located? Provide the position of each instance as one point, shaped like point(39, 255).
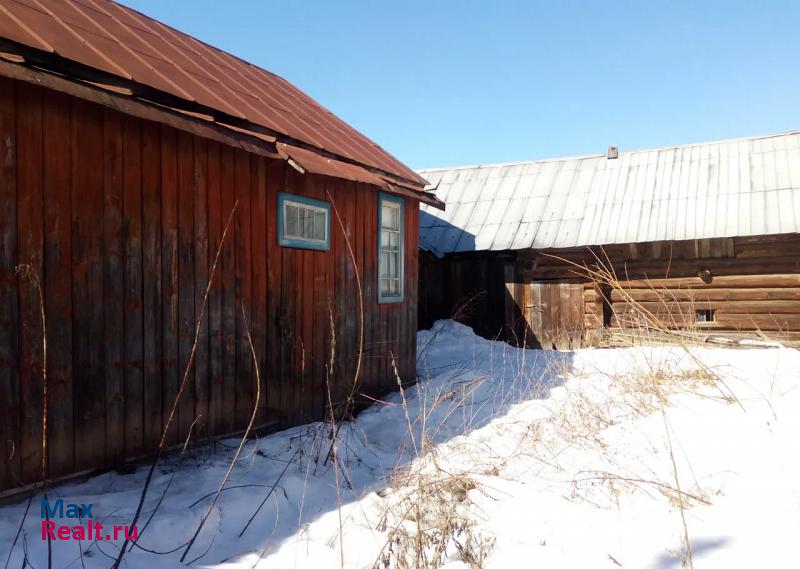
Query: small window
point(303, 222)
point(704, 315)
point(390, 246)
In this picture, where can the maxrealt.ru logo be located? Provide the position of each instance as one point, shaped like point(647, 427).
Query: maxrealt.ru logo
point(92, 530)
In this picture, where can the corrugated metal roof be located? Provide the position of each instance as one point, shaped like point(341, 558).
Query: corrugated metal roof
point(123, 43)
point(747, 186)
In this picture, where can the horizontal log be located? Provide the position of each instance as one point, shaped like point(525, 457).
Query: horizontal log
point(742, 281)
point(786, 264)
point(722, 307)
point(768, 238)
point(731, 322)
point(757, 321)
point(715, 294)
point(748, 250)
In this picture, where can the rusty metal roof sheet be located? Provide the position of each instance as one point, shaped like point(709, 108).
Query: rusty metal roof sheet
point(115, 41)
point(746, 186)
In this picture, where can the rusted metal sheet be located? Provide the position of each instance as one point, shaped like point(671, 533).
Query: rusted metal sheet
point(123, 43)
point(311, 162)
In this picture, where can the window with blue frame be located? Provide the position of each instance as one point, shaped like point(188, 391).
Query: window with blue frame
point(390, 247)
point(303, 222)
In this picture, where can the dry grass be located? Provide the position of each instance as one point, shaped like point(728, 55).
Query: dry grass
point(430, 517)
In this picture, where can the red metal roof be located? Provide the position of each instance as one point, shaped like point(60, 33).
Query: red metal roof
point(120, 42)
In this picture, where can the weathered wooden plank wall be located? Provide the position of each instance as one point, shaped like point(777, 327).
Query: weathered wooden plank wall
point(469, 288)
point(755, 286)
point(120, 219)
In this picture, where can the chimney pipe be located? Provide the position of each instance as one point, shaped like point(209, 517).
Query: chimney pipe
point(613, 153)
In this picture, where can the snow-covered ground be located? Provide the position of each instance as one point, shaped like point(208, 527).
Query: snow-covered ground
point(591, 458)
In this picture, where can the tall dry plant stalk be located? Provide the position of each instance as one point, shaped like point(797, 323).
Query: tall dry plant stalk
point(650, 327)
point(659, 327)
point(184, 382)
point(360, 297)
point(26, 272)
point(241, 442)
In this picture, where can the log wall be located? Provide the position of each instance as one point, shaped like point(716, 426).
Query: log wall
point(120, 219)
point(750, 285)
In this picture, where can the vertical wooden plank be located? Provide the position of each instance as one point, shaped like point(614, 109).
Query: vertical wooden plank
point(296, 185)
point(358, 237)
point(337, 292)
point(298, 346)
point(301, 344)
point(307, 317)
point(258, 326)
point(151, 284)
point(408, 305)
point(368, 279)
point(564, 323)
point(134, 315)
point(58, 281)
point(200, 194)
point(328, 307)
point(413, 283)
point(348, 315)
point(227, 276)
point(555, 303)
point(114, 283)
point(186, 312)
point(10, 473)
point(525, 304)
point(170, 372)
point(29, 220)
point(288, 342)
point(579, 309)
point(88, 299)
point(216, 221)
point(275, 178)
point(510, 308)
point(321, 319)
point(244, 368)
point(537, 312)
point(341, 373)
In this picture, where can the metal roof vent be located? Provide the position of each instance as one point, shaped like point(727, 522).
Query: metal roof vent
point(613, 153)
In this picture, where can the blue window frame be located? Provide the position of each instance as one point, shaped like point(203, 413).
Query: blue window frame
point(391, 254)
point(303, 222)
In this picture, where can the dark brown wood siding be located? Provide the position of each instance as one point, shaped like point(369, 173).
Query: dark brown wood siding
point(120, 219)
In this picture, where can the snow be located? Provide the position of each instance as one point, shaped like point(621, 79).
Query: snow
point(567, 455)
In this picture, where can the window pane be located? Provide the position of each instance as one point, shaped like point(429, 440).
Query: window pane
point(305, 222)
point(308, 223)
point(290, 220)
point(389, 216)
point(391, 257)
point(384, 264)
point(319, 225)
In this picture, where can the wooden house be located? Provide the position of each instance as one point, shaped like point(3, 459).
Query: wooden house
point(125, 147)
point(704, 237)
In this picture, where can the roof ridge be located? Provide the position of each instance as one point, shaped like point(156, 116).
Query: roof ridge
point(600, 155)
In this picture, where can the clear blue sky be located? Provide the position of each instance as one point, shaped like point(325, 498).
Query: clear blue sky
point(446, 83)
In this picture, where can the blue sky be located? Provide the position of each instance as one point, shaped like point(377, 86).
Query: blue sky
point(446, 83)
